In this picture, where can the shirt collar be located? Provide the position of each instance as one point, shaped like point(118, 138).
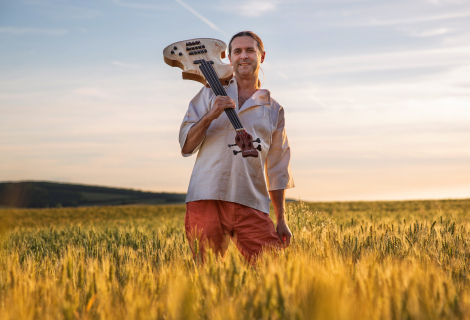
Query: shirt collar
point(259, 98)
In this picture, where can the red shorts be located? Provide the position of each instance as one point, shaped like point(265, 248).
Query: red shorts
point(215, 222)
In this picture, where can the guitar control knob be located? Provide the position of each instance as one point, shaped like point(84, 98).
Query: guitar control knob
point(172, 52)
point(175, 47)
point(180, 54)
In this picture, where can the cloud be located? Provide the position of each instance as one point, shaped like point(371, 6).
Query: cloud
point(35, 2)
point(430, 33)
point(396, 13)
point(74, 12)
point(135, 5)
point(282, 75)
point(255, 8)
point(204, 19)
point(93, 92)
point(412, 20)
point(59, 11)
point(124, 64)
point(39, 31)
point(387, 61)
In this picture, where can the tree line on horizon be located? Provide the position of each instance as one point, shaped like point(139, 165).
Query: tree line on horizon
point(41, 194)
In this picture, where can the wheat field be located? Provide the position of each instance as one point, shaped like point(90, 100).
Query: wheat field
point(347, 260)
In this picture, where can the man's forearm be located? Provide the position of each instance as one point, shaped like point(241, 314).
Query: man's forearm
point(279, 203)
point(196, 134)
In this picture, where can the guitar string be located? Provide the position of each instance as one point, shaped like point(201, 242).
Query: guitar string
point(209, 72)
point(211, 69)
point(204, 72)
point(243, 134)
point(233, 117)
point(205, 69)
point(230, 112)
point(218, 89)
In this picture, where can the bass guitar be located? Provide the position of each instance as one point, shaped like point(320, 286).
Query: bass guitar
point(201, 61)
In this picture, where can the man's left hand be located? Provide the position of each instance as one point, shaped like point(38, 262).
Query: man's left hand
point(284, 233)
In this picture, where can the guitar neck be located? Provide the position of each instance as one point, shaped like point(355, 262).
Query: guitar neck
point(211, 77)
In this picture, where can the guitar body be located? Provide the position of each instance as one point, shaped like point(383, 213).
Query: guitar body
point(201, 61)
point(215, 50)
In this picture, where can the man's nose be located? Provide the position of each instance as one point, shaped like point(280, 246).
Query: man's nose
point(244, 54)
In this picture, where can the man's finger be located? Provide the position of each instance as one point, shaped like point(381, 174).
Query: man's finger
point(287, 237)
point(282, 237)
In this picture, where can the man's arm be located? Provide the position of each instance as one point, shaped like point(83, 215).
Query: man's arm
point(279, 204)
point(196, 134)
point(198, 131)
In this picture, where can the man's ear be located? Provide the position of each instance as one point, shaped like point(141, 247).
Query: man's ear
point(262, 56)
point(230, 59)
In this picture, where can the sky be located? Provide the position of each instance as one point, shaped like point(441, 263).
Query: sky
point(376, 93)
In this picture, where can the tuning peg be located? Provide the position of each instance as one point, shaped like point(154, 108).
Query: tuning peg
point(258, 147)
point(257, 140)
point(235, 152)
point(232, 145)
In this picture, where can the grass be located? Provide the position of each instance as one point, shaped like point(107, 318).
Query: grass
point(348, 260)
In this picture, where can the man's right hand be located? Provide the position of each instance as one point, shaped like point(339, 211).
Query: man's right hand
point(220, 103)
point(198, 131)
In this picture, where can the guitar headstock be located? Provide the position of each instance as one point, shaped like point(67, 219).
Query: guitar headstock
point(245, 141)
point(185, 55)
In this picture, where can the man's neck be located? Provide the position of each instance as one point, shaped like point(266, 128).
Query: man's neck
point(247, 84)
point(246, 88)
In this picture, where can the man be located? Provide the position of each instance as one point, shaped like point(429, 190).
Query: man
point(228, 195)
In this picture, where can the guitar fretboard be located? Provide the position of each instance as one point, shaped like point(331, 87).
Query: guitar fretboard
point(211, 77)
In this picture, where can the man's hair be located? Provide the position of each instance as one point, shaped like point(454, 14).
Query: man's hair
point(249, 34)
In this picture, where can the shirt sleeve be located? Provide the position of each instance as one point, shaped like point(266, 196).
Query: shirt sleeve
point(198, 107)
point(278, 170)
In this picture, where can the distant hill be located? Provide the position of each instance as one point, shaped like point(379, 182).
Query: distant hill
point(32, 194)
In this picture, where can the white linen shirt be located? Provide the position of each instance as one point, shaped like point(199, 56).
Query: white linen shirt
point(218, 174)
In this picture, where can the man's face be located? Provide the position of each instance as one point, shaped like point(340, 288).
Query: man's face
point(245, 56)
